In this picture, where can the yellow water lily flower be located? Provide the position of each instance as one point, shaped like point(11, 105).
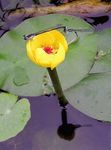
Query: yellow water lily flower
point(47, 49)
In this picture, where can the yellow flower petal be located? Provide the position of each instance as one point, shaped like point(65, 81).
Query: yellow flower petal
point(59, 37)
point(58, 57)
point(44, 39)
point(42, 58)
point(30, 51)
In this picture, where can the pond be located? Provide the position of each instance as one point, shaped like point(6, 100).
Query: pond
point(52, 127)
point(41, 131)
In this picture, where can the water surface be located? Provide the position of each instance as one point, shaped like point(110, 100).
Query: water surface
point(43, 131)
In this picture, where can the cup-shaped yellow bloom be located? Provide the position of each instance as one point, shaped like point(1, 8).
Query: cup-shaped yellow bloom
point(47, 49)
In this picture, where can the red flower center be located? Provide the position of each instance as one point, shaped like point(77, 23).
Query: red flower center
point(48, 50)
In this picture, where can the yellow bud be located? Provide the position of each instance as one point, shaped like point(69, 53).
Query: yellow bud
point(47, 49)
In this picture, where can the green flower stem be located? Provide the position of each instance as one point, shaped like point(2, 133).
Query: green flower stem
point(57, 86)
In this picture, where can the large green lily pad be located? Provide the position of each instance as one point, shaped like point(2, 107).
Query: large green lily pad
point(14, 115)
point(20, 76)
point(92, 95)
point(78, 61)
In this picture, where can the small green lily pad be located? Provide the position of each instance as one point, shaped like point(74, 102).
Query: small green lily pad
point(14, 115)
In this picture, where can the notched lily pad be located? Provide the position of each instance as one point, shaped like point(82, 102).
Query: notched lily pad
point(14, 115)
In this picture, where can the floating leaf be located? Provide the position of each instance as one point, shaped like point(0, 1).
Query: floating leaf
point(92, 96)
point(78, 61)
point(25, 78)
point(14, 115)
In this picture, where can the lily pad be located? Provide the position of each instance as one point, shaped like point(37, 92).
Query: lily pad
point(92, 96)
point(20, 76)
point(14, 115)
point(78, 62)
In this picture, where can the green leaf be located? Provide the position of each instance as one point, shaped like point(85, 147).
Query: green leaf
point(79, 60)
point(14, 115)
point(92, 96)
point(104, 42)
point(20, 76)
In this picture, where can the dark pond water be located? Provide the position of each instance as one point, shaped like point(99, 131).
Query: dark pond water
point(50, 127)
point(41, 132)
